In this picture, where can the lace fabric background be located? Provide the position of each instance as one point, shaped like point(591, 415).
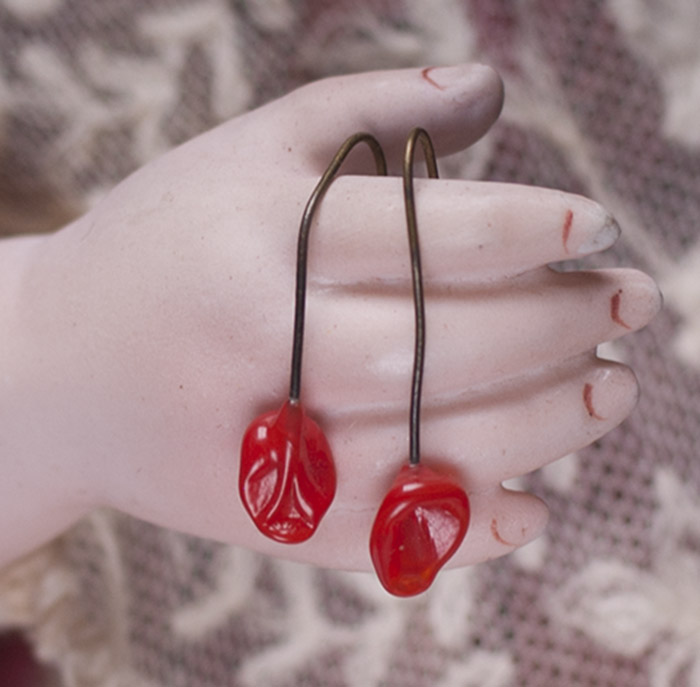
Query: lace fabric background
point(603, 98)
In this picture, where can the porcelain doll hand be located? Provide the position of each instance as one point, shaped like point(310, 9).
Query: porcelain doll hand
point(156, 327)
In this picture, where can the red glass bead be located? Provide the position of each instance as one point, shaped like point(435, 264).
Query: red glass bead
point(419, 526)
point(287, 477)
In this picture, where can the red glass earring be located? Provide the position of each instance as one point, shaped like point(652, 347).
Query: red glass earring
point(425, 515)
point(287, 477)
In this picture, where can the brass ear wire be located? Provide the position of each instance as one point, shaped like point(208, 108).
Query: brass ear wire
point(303, 244)
point(416, 135)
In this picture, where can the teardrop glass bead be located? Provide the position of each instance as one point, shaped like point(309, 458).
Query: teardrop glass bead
point(287, 478)
point(420, 524)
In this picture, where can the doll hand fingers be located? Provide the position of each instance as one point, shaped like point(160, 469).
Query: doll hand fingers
point(469, 231)
point(576, 402)
point(486, 434)
point(456, 105)
point(501, 520)
point(474, 335)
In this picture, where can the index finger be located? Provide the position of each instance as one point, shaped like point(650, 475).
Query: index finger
point(470, 231)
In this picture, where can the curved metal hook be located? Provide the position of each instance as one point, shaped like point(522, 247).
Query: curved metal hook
point(414, 137)
point(303, 245)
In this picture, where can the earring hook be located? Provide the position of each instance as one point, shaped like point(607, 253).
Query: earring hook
point(416, 135)
point(303, 245)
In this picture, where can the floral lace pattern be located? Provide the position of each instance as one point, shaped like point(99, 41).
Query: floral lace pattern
point(602, 99)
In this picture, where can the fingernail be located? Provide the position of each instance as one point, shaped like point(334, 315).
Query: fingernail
point(525, 520)
point(611, 395)
point(635, 302)
point(443, 78)
point(605, 237)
